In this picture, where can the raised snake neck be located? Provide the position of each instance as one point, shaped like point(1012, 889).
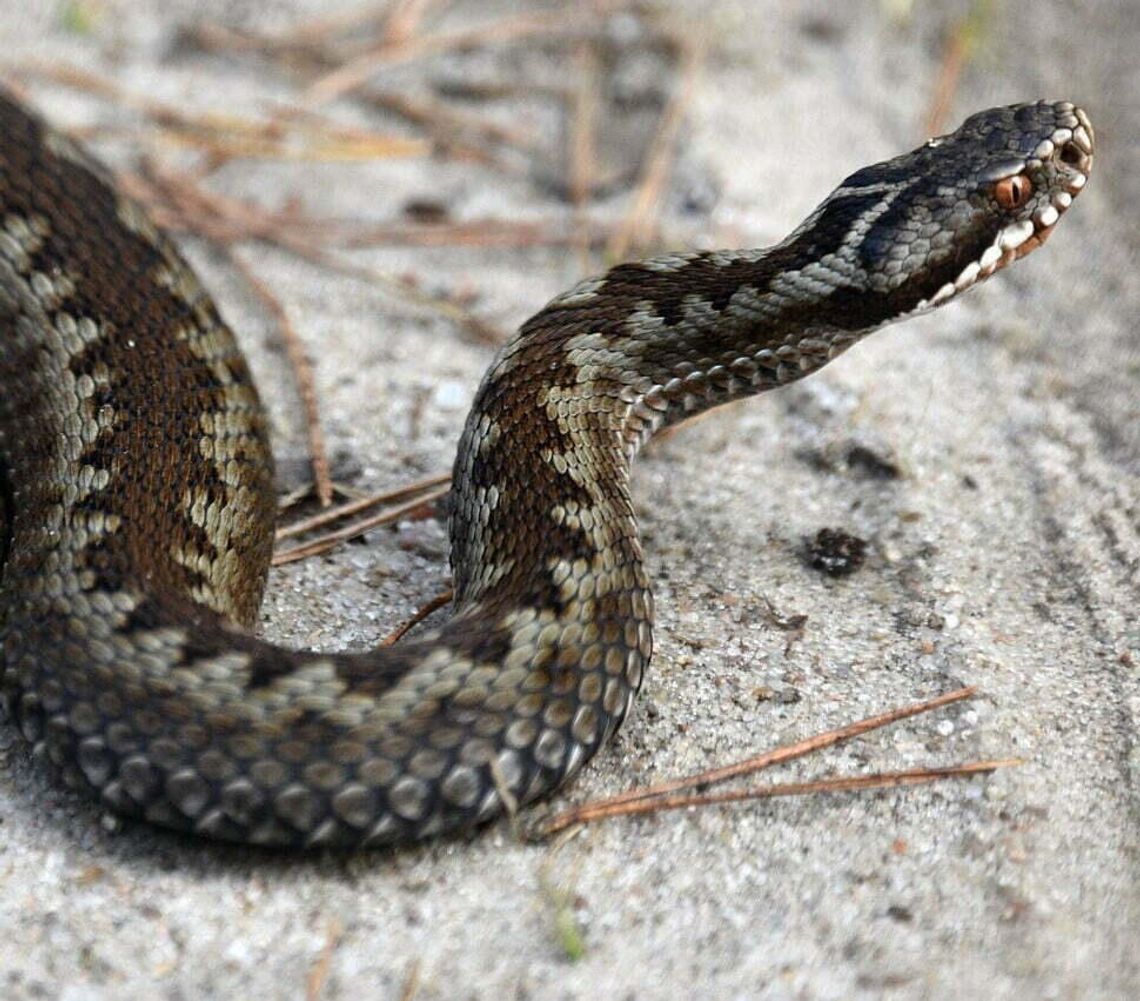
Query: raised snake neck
point(138, 506)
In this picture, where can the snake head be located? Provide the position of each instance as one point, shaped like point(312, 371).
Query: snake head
point(936, 221)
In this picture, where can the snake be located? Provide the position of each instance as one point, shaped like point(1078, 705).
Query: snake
point(137, 500)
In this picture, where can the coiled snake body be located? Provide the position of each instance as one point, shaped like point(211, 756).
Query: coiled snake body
point(137, 501)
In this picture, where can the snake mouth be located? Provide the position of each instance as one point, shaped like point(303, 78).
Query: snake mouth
point(1070, 151)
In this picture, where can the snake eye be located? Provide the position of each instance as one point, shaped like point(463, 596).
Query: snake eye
point(1013, 192)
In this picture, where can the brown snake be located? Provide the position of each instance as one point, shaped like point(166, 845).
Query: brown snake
point(137, 504)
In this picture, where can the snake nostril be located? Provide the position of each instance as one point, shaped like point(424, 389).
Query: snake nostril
point(1072, 154)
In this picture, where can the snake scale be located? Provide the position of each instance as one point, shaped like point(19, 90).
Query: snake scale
point(137, 503)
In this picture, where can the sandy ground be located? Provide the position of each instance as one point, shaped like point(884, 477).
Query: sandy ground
point(1006, 554)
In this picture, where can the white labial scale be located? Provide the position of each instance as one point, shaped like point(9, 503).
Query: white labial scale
point(1014, 235)
point(990, 257)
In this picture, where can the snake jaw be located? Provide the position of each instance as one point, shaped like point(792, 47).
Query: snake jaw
point(1061, 165)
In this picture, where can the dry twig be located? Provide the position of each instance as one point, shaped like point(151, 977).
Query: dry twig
point(359, 504)
point(226, 136)
point(319, 971)
point(356, 72)
point(582, 157)
point(831, 784)
point(320, 29)
point(452, 132)
point(959, 48)
point(631, 800)
point(411, 982)
point(225, 220)
point(585, 233)
point(329, 541)
point(637, 227)
point(436, 603)
point(302, 375)
point(403, 20)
